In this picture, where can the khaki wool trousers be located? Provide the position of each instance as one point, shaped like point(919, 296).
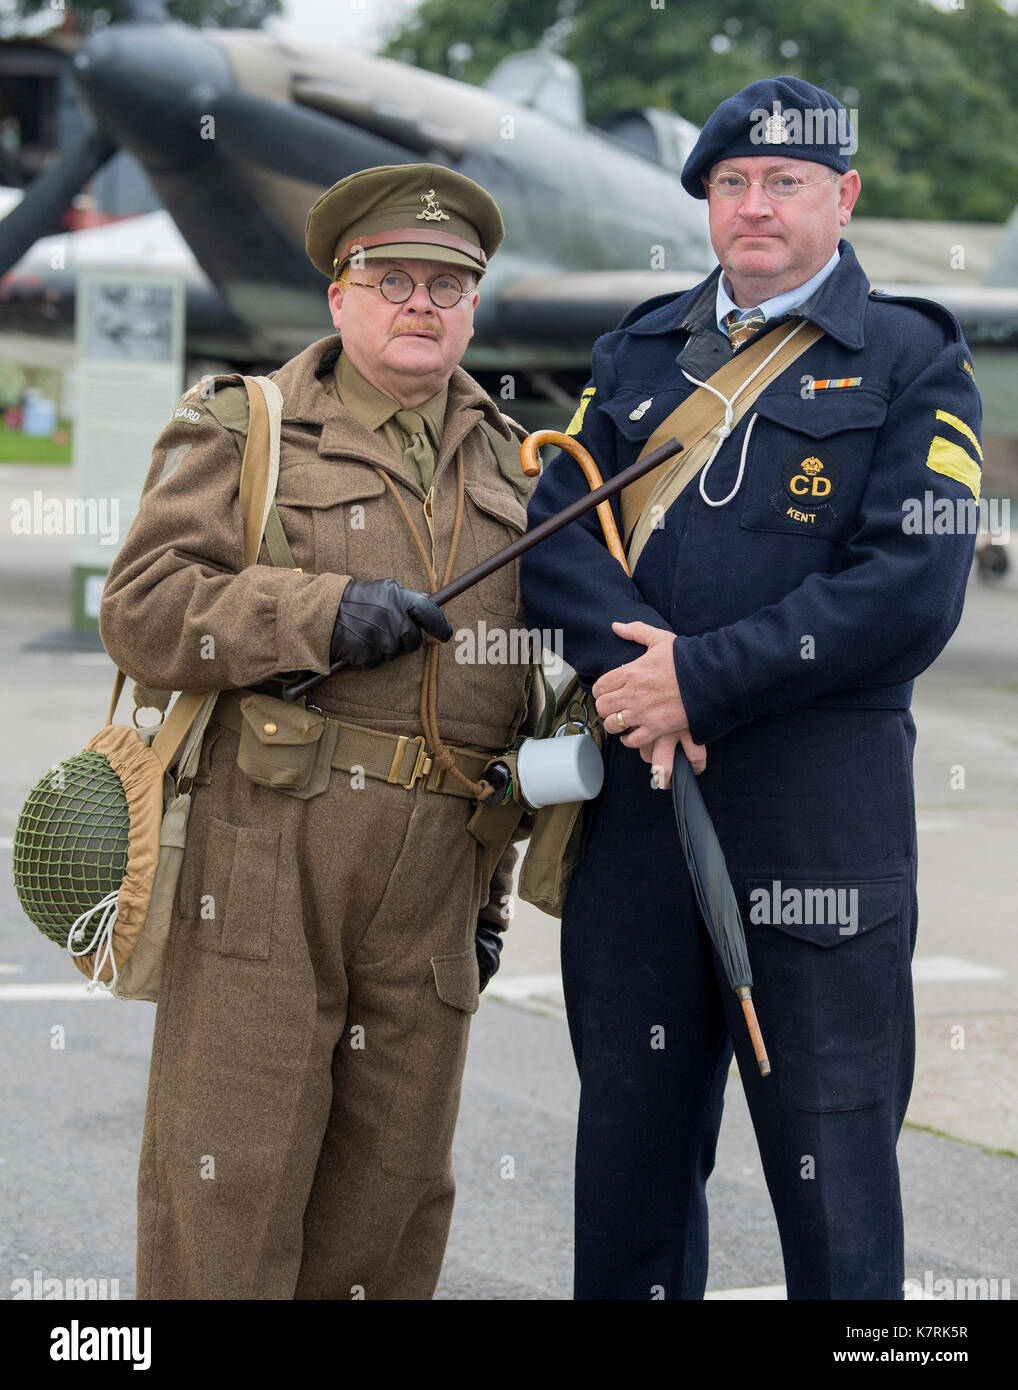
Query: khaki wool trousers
point(309, 1043)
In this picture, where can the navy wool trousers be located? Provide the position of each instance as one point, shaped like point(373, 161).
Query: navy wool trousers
point(815, 813)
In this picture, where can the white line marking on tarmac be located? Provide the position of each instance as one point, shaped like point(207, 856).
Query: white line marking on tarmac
point(11, 969)
point(51, 989)
point(769, 1291)
point(520, 986)
point(537, 994)
point(944, 969)
point(6, 842)
point(924, 823)
point(913, 1290)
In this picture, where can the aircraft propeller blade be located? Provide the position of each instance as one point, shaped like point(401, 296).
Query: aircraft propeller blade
point(38, 213)
point(294, 141)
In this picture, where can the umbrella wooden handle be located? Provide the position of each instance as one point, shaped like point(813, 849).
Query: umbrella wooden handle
point(755, 1036)
point(531, 467)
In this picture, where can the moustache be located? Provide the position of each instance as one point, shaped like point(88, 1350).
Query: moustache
point(417, 326)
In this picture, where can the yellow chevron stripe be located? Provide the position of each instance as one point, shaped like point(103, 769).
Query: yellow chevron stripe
point(953, 461)
point(961, 427)
point(576, 423)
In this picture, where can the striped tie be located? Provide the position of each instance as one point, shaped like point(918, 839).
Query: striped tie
point(740, 329)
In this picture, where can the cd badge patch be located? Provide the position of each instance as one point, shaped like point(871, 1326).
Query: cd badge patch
point(808, 485)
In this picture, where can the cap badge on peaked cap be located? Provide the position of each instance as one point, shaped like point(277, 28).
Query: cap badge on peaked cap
point(432, 212)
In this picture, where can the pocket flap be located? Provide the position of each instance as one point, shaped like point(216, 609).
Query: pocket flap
point(503, 506)
point(456, 980)
point(276, 722)
point(326, 485)
point(824, 912)
point(650, 410)
point(826, 413)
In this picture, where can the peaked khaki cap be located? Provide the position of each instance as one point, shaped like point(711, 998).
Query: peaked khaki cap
point(418, 211)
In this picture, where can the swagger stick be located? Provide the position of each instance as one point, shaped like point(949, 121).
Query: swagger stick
point(547, 528)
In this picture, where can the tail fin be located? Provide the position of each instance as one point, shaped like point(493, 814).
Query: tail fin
point(1004, 266)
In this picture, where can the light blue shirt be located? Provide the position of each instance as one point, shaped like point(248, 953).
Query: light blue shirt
point(781, 303)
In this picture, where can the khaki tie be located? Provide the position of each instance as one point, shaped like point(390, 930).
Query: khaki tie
point(741, 329)
point(418, 455)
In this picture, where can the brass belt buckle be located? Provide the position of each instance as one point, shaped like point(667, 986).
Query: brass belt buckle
point(422, 763)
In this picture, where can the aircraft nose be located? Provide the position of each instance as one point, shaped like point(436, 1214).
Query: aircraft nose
point(147, 85)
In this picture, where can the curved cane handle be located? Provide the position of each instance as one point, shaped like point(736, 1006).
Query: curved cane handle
point(531, 466)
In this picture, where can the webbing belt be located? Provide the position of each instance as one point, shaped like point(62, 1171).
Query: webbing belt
point(399, 759)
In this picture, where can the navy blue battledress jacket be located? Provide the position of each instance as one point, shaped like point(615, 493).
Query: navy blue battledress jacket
point(804, 606)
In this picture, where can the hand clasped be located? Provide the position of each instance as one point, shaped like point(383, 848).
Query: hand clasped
point(640, 703)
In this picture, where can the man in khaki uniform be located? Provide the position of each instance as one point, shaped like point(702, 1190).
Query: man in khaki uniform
point(312, 1023)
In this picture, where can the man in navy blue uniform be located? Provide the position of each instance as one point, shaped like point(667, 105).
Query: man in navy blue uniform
point(780, 609)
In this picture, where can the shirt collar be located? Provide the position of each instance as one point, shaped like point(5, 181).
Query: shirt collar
point(781, 304)
point(372, 408)
point(838, 306)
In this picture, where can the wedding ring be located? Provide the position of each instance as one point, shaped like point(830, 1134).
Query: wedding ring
point(620, 721)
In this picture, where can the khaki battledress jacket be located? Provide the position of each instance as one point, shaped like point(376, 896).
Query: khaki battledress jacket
point(311, 1030)
point(181, 612)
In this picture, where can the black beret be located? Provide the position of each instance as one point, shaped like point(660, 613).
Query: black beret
point(781, 116)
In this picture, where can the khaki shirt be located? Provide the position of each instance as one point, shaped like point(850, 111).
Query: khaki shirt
point(377, 412)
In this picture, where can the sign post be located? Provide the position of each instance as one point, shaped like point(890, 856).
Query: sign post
point(129, 332)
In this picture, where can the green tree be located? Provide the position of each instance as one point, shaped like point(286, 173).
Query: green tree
point(933, 87)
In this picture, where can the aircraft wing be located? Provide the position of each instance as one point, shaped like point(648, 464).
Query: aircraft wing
point(988, 314)
point(572, 309)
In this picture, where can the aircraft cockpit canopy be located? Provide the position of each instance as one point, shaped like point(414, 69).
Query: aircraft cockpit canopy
point(544, 81)
point(660, 135)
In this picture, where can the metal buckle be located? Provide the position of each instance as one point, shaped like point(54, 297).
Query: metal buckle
point(422, 762)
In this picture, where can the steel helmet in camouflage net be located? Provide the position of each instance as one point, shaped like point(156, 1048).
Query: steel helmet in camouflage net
point(86, 845)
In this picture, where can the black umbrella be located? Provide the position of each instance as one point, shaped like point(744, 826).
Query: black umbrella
point(714, 893)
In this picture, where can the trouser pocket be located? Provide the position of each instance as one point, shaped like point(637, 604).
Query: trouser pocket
point(830, 963)
point(422, 1118)
point(230, 890)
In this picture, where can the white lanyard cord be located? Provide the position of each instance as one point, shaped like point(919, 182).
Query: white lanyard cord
point(102, 941)
point(726, 428)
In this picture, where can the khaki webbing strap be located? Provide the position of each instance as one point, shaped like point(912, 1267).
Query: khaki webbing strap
point(118, 686)
point(177, 723)
point(259, 473)
point(702, 412)
point(399, 759)
point(276, 543)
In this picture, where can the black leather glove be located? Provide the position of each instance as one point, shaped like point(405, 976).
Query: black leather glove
point(488, 944)
point(378, 619)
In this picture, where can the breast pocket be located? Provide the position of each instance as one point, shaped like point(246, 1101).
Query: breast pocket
point(808, 461)
point(636, 412)
point(329, 518)
point(496, 519)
